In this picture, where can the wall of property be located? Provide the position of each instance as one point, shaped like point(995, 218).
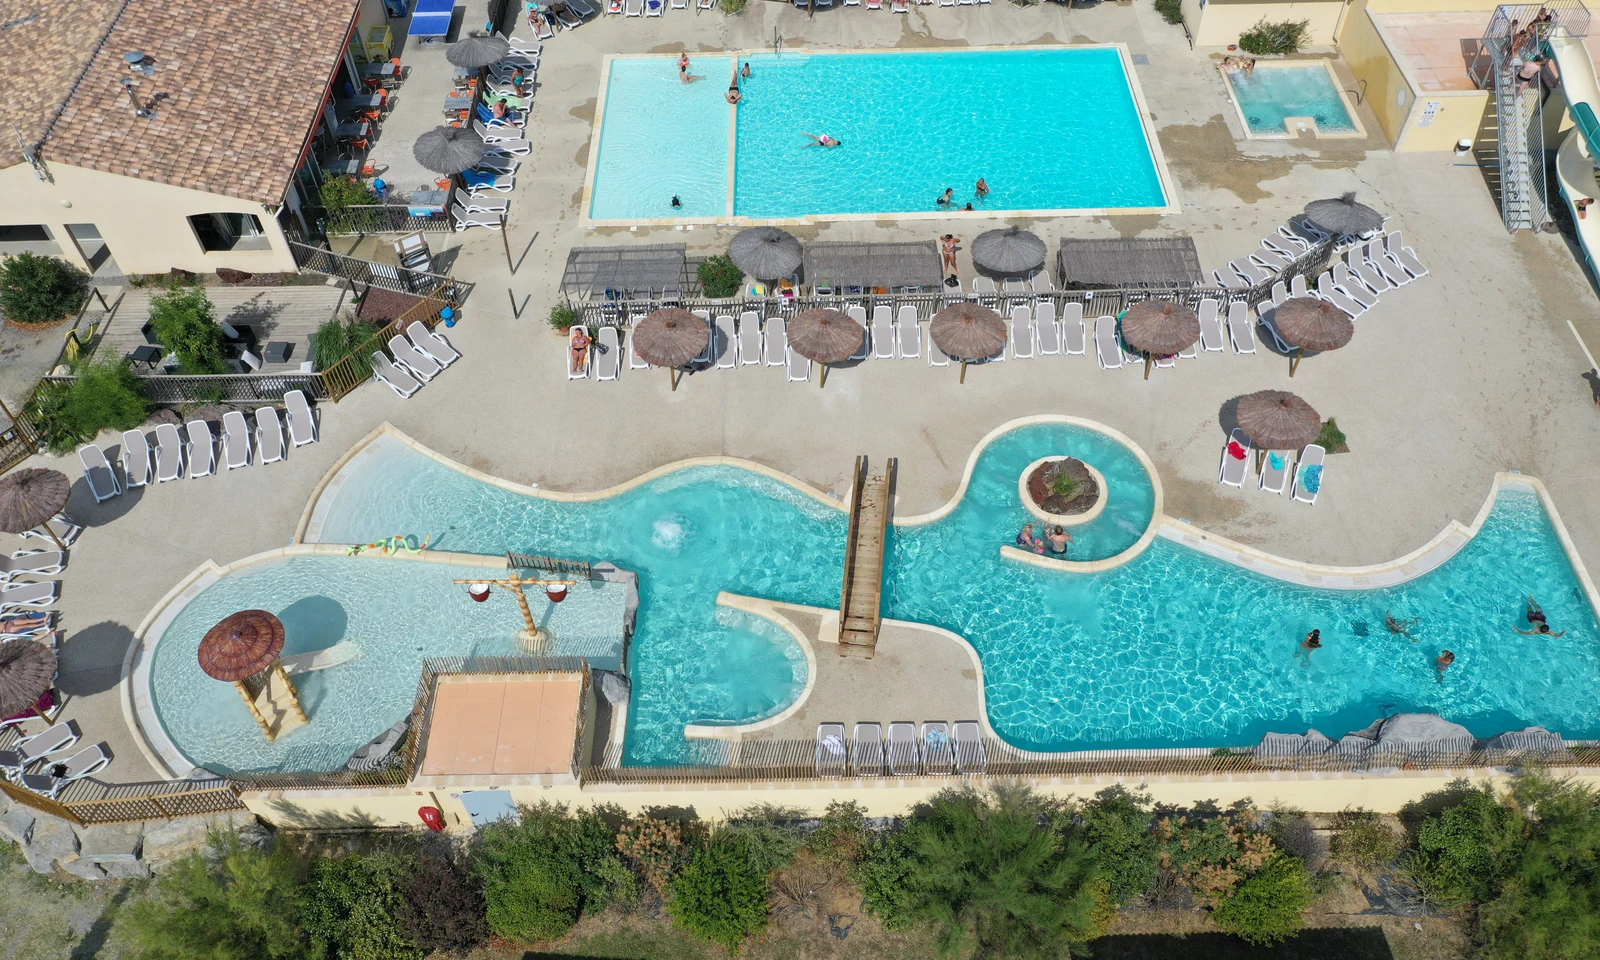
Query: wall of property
point(1220, 22)
point(1369, 59)
point(144, 224)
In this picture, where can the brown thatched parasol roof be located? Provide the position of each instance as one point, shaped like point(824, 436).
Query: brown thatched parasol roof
point(27, 669)
point(826, 336)
point(241, 646)
point(1342, 214)
point(1276, 420)
point(1313, 324)
point(30, 497)
point(967, 331)
point(1160, 327)
point(671, 337)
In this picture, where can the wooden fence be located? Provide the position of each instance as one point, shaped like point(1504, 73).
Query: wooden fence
point(386, 275)
point(356, 368)
point(87, 802)
point(223, 388)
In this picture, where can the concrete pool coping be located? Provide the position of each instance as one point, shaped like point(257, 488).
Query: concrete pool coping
point(1360, 131)
point(1169, 187)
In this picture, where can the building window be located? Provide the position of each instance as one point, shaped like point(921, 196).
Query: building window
point(229, 231)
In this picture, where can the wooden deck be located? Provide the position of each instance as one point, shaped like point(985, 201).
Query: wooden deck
point(861, 599)
point(289, 314)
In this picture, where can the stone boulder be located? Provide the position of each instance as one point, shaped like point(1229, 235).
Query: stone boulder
point(1528, 740)
point(111, 843)
point(16, 824)
point(614, 687)
point(53, 841)
point(1423, 731)
point(167, 841)
point(1292, 745)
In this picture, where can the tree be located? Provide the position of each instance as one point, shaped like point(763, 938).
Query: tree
point(1465, 852)
point(238, 905)
point(38, 290)
point(351, 908)
point(443, 909)
point(1268, 906)
point(106, 395)
point(720, 896)
point(1117, 823)
point(541, 869)
point(185, 323)
point(719, 277)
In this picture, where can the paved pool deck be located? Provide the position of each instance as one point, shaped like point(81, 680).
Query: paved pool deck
point(1469, 371)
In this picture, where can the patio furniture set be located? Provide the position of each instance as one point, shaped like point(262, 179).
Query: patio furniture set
point(417, 360)
point(939, 749)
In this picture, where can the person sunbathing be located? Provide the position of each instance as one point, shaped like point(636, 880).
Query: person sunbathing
point(25, 623)
point(580, 350)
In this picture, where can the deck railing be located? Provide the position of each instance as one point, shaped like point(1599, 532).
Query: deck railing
point(373, 274)
point(222, 388)
point(355, 368)
point(380, 218)
point(87, 802)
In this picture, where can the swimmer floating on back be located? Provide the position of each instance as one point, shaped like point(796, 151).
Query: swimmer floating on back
point(823, 140)
point(734, 94)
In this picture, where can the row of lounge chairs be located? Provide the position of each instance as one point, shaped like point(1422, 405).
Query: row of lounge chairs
point(417, 360)
point(478, 204)
point(1276, 468)
point(939, 749)
point(654, 8)
point(44, 754)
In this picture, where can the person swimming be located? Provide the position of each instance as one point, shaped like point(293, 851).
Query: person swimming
point(968, 206)
point(949, 196)
point(746, 71)
point(1058, 539)
point(734, 94)
point(823, 140)
point(676, 203)
point(982, 188)
point(1313, 641)
point(1025, 538)
point(1539, 624)
point(1442, 664)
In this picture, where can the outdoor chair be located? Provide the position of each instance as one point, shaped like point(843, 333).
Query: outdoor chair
point(608, 354)
point(1394, 244)
point(57, 528)
point(15, 596)
point(866, 754)
point(1107, 351)
point(936, 356)
point(136, 458)
point(970, 755)
point(749, 338)
point(1346, 282)
point(1240, 332)
point(1356, 263)
point(938, 753)
point(1264, 315)
point(36, 563)
point(1251, 273)
point(98, 474)
point(1046, 332)
point(1021, 333)
point(1211, 339)
point(1275, 472)
point(431, 343)
point(832, 751)
point(652, 8)
point(633, 8)
point(775, 345)
point(463, 219)
point(726, 348)
point(1042, 282)
point(635, 362)
point(477, 204)
point(579, 371)
point(201, 449)
point(1074, 333)
point(398, 378)
point(1389, 267)
point(706, 5)
point(31, 749)
point(903, 754)
point(82, 764)
point(1269, 259)
point(1308, 475)
point(269, 435)
point(908, 334)
point(1326, 291)
point(799, 366)
point(235, 440)
point(414, 360)
point(1235, 464)
point(883, 332)
point(1280, 293)
point(709, 353)
point(1230, 280)
point(169, 452)
point(859, 315)
point(1297, 286)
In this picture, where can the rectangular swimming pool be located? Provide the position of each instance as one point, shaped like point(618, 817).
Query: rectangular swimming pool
point(1051, 130)
point(1272, 98)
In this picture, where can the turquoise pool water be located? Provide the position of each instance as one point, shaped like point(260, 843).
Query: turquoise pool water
point(1049, 129)
point(1270, 94)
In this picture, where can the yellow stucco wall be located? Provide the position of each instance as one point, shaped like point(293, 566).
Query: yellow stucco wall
point(1222, 21)
point(143, 224)
point(1369, 59)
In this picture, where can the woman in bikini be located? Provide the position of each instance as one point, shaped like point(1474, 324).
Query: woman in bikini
point(734, 94)
point(950, 243)
point(580, 350)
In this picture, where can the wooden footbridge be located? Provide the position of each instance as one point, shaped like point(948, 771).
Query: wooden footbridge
point(862, 597)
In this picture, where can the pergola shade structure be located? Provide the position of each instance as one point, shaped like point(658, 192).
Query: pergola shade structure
point(872, 266)
point(1122, 263)
point(639, 272)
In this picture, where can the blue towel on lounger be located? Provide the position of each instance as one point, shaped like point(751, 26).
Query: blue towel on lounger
point(1311, 478)
point(1276, 460)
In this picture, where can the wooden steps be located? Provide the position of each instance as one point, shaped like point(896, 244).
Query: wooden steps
point(862, 595)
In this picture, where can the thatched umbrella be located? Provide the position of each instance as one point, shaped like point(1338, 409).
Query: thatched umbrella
point(1312, 324)
point(449, 149)
point(1343, 215)
point(968, 332)
point(243, 650)
point(825, 336)
point(29, 498)
point(1159, 328)
point(478, 50)
point(671, 337)
point(1010, 250)
point(765, 253)
point(27, 671)
point(1277, 420)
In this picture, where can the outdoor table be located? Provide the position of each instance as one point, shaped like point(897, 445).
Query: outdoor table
point(347, 131)
point(148, 355)
point(348, 168)
point(377, 69)
point(463, 74)
point(431, 18)
point(278, 351)
point(362, 101)
point(456, 102)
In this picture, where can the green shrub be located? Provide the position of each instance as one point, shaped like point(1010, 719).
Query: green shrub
point(340, 192)
point(238, 905)
point(655, 847)
point(563, 316)
point(1268, 39)
point(37, 290)
point(884, 878)
point(540, 870)
point(1332, 439)
point(1268, 906)
point(1064, 485)
point(731, 7)
point(1362, 840)
point(719, 896)
point(533, 898)
point(186, 324)
point(443, 909)
point(337, 339)
point(719, 277)
point(764, 831)
point(1170, 10)
point(842, 837)
point(106, 396)
point(351, 908)
point(1117, 825)
point(1465, 851)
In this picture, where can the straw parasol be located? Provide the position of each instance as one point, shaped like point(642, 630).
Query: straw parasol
point(29, 498)
point(1009, 250)
point(1343, 215)
point(1275, 420)
point(1312, 324)
point(1159, 328)
point(449, 149)
point(671, 337)
point(241, 646)
point(27, 670)
point(478, 50)
point(765, 253)
point(826, 336)
point(968, 332)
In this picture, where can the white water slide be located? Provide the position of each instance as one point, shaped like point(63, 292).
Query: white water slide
point(1577, 158)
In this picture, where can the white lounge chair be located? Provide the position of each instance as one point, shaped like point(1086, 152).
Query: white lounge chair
point(1240, 332)
point(984, 291)
point(1046, 332)
point(509, 148)
point(415, 360)
point(398, 378)
point(136, 458)
point(82, 764)
point(1042, 282)
point(1234, 469)
point(235, 440)
point(1311, 456)
point(706, 355)
point(633, 8)
point(1264, 314)
point(936, 356)
point(652, 8)
point(1280, 293)
point(635, 362)
point(28, 751)
point(15, 596)
point(1230, 280)
point(169, 453)
point(495, 183)
point(1021, 333)
point(775, 344)
point(607, 354)
point(57, 529)
point(1106, 348)
point(302, 425)
point(1275, 478)
point(1348, 284)
point(799, 367)
point(523, 48)
point(269, 435)
point(1327, 291)
point(858, 313)
point(678, 4)
point(908, 333)
point(1269, 259)
point(1297, 286)
point(483, 205)
point(98, 474)
point(1370, 277)
point(1283, 248)
point(1395, 246)
point(1252, 273)
point(1074, 333)
point(866, 753)
point(580, 372)
point(903, 753)
point(706, 5)
point(749, 338)
point(463, 219)
point(431, 343)
point(833, 752)
point(883, 332)
point(31, 563)
point(1391, 269)
point(727, 344)
point(201, 449)
point(970, 754)
point(938, 751)
point(1211, 336)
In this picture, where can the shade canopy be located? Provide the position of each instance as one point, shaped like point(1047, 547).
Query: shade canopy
point(27, 671)
point(765, 253)
point(241, 646)
point(1343, 215)
point(478, 50)
point(449, 149)
point(967, 331)
point(1128, 262)
point(1276, 420)
point(670, 337)
point(30, 497)
point(1160, 327)
point(640, 271)
point(1313, 324)
point(826, 336)
point(850, 263)
point(1011, 250)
